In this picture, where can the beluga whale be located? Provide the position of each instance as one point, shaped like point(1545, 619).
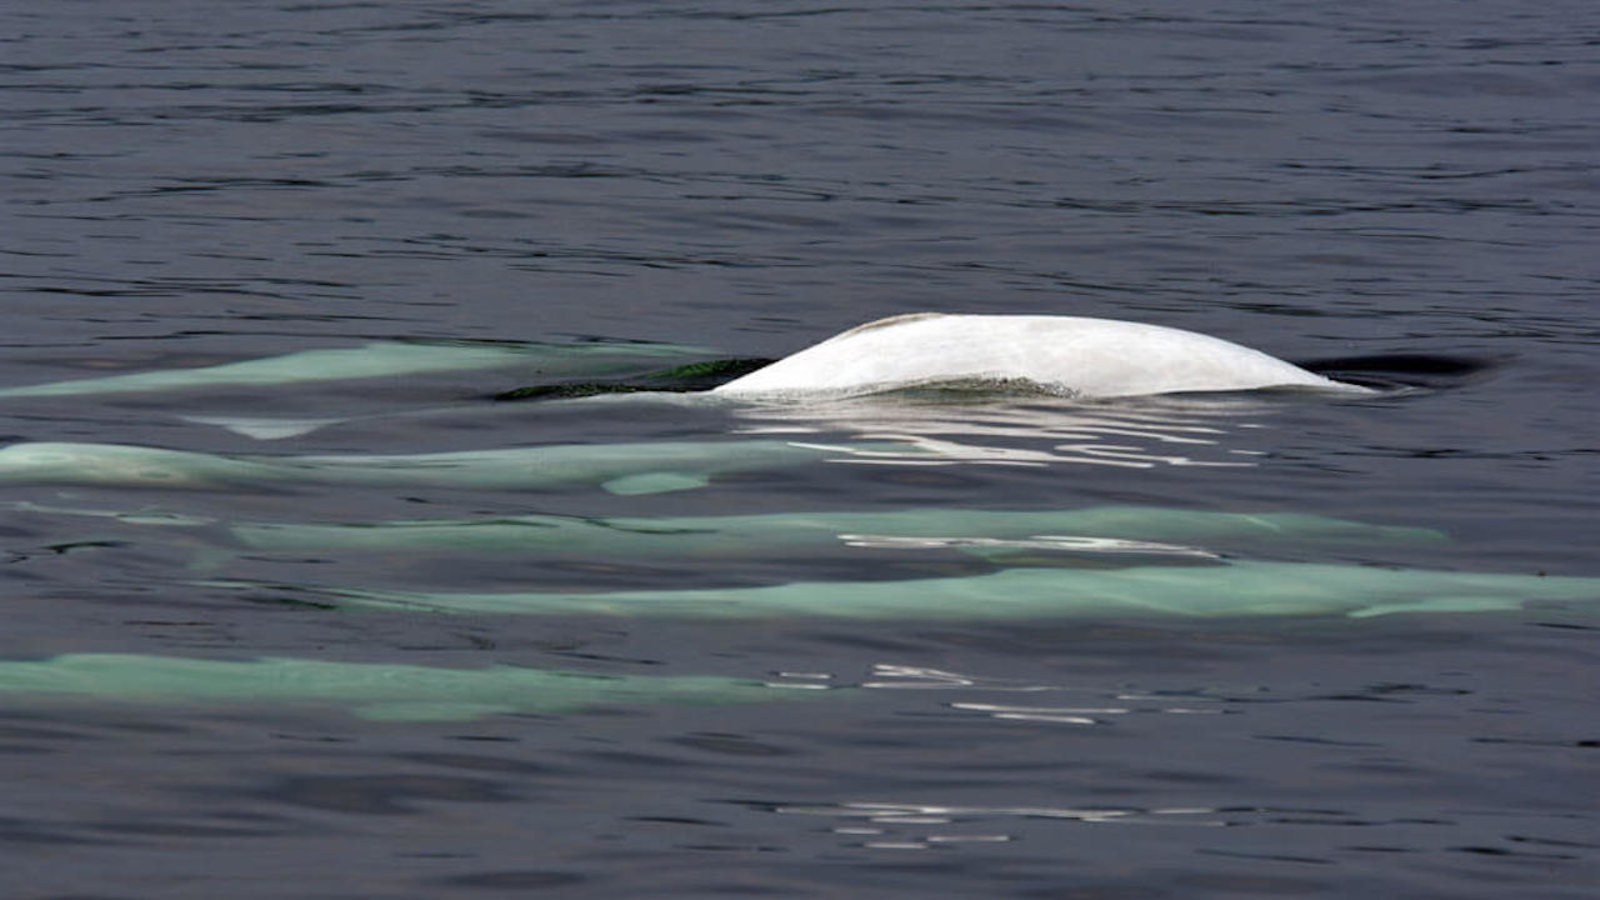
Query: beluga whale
point(1061, 355)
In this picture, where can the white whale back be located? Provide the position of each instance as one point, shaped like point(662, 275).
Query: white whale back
point(1068, 355)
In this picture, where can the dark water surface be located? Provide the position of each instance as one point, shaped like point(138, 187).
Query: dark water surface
point(193, 184)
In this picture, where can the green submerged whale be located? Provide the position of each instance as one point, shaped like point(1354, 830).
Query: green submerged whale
point(387, 691)
point(1102, 535)
point(379, 359)
point(567, 370)
point(1108, 561)
point(1241, 588)
point(642, 468)
point(990, 533)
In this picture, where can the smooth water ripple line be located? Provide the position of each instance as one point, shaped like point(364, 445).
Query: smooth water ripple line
point(1074, 715)
point(894, 826)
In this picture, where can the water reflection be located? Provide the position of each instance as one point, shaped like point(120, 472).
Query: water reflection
point(1098, 708)
point(921, 826)
point(1028, 431)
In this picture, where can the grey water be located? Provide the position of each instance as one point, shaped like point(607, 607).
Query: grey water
point(193, 184)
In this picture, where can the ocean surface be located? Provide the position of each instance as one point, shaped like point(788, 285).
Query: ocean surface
point(635, 185)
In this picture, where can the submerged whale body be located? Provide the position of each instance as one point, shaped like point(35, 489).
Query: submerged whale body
point(385, 691)
point(1241, 588)
point(643, 468)
point(1072, 356)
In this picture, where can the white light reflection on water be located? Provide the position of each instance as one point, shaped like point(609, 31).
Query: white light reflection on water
point(1038, 432)
point(887, 675)
point(1058, 542)
point(1076, 715)
point(894, 826)
point(1097, 709)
